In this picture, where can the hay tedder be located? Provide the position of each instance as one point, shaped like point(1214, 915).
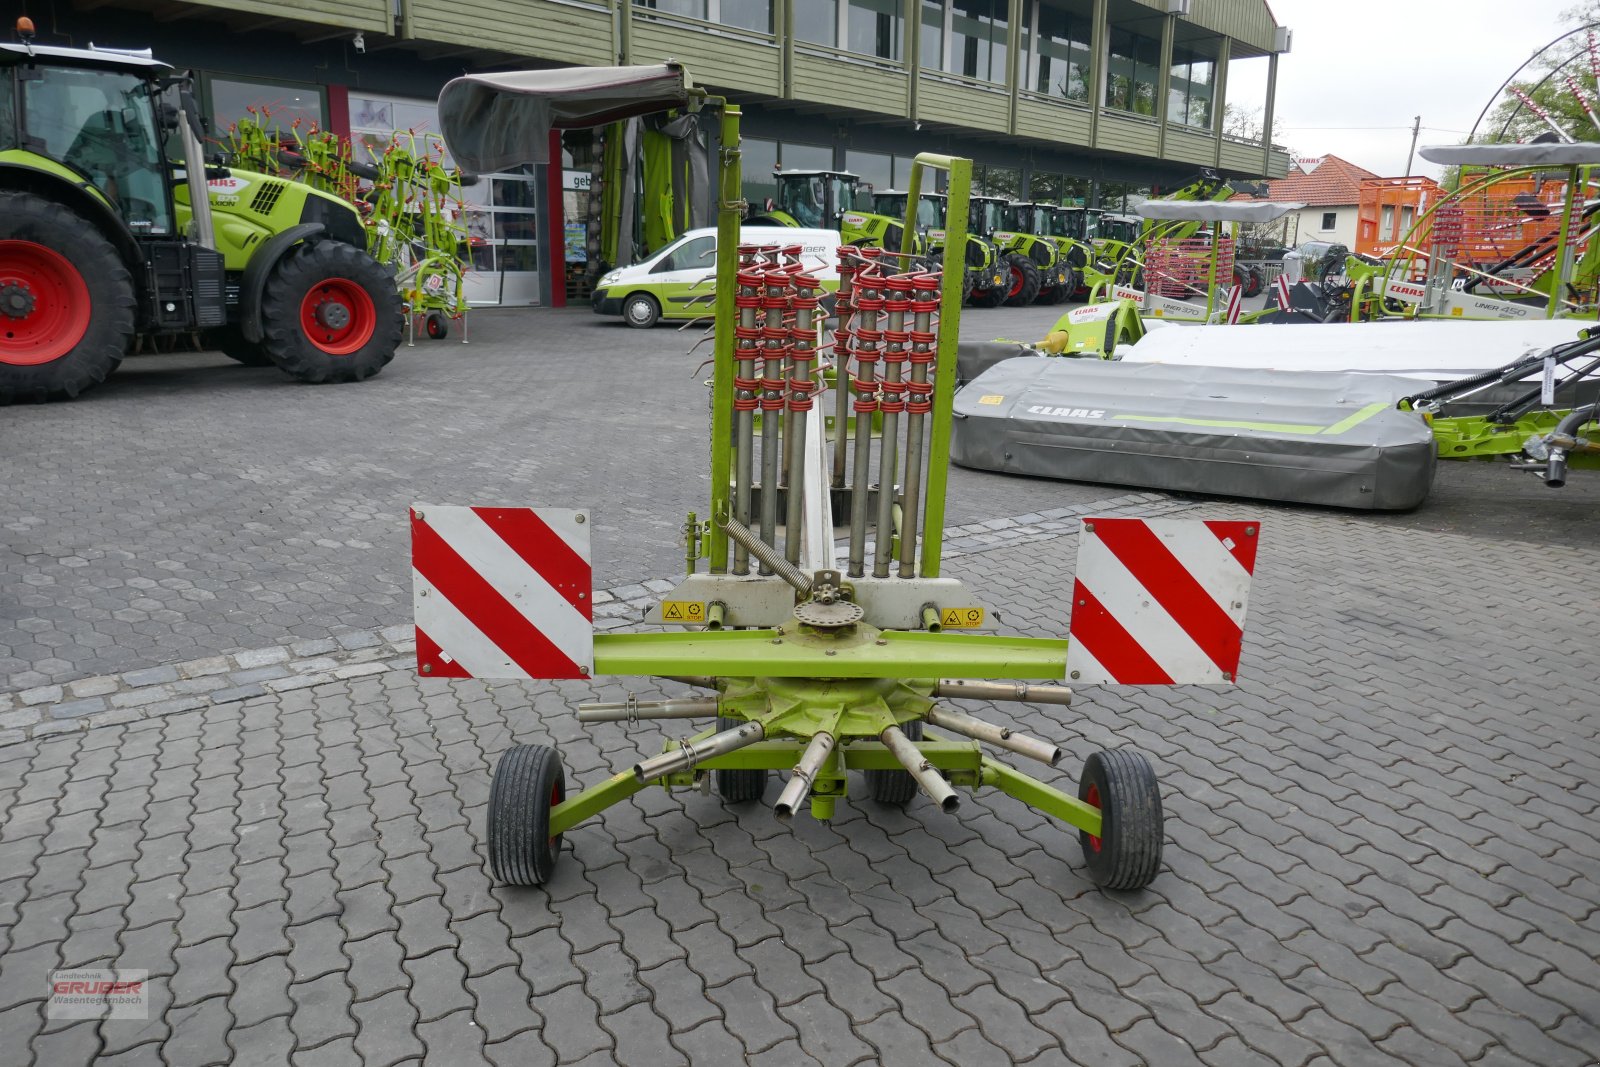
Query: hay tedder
point(810, 661)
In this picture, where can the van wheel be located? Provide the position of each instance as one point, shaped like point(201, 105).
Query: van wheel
point(641, 311)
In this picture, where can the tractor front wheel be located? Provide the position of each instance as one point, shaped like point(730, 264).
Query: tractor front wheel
point(1024, 280)
point(66, 301)
point(330, 313)
point(1127, 852)
point(528, 781)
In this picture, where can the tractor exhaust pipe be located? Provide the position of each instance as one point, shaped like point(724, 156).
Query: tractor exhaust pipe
point(928, 778)
point(998, 736)
point(632, 710)
point(1029, 694)
point(686, 755)
point(803, 775)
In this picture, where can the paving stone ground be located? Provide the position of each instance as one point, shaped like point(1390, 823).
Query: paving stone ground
point(1382, 847)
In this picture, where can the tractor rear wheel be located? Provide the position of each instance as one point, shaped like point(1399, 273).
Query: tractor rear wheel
point(739, 787)
point(231, 342)
point(988, 298)
point(1024, 280)
point(66, 301)
point(330, 313)
point(1122, 784)
point(895, 787)
point(528, 781)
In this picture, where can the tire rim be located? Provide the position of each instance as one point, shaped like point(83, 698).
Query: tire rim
point(1016, 282)
point(639, 312)
point(44, 304)
point(1091, 797)
point(338, 316)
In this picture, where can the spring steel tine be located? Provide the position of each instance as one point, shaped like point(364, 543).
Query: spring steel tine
point(768, 555)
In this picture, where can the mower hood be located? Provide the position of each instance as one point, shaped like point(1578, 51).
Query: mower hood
point(494, 122)
point(1210, 211)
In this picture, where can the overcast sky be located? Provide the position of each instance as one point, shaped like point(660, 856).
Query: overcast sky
point(1360, 71)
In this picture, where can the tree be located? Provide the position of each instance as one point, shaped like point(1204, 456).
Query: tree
point(1544, 87)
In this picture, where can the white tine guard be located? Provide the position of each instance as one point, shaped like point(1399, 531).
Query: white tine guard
point(502, 592)
point(1160, 601)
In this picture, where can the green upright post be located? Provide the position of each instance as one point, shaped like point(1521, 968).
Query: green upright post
point(1563, 264)
point(1211, 279)
point(731, 200)
point(955, 259)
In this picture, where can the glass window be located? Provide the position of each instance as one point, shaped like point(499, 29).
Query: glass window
point(1190, 86)
point(978, 39)
point(996, 181)
point(806, 156)
point(1061, 65)
point(817, 20)
point(8, 113)
point(276, 107)
point(746, 14)
point(688, 255)
point(875, 169)
point(695, 9)
point(102, 125)
point(873, 28)
point(1131, 72)
point(1330, 219)
point(757, 161)
point(933, 34)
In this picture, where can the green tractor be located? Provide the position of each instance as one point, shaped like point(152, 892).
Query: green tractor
point(114, 232)
point(1030, 231)
point(986, 281)
point(827, 200)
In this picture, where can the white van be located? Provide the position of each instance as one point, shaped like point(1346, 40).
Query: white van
point(677, 282)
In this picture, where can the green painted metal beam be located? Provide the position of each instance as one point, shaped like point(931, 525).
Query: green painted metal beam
point(768, 654)
point(1034, 793)
point(592, 801)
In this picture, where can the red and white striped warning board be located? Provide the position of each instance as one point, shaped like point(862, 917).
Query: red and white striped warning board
point(1160, 601)
point(501, 592)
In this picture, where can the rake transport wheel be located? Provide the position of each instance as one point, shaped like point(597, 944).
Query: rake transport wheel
point(330, 313)
point(739, 787)
point(437, 325)
point(528, 782)
point(895, 787)
point(1122, 784)
point(1022, 280)
point(66, 301)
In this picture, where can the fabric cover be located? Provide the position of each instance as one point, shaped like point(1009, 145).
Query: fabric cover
point(1581, 154)
point(1312, 438)
point(1212, 211)
point(494, 122)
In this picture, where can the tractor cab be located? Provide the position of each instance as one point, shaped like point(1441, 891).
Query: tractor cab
point(1032, 219)
point(1069, 222)
point(815, 199)
point(1124, 229)
point(930, 208)
point(986, 216)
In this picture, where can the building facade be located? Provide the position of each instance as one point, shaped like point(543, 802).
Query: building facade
point(1092, 100)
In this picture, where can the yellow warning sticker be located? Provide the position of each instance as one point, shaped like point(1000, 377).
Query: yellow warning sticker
point(960, 618)
point(1457, 312)
point(992, 398)
point(685, 611)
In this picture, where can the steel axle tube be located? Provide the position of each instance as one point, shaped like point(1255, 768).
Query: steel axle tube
point(627, 711)
point(803, 775)
point(928, 777)
point(1031, 694)
point(686, 755)
point(998, 736)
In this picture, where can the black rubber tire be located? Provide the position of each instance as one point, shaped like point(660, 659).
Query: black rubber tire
point(895, 787)
point(641, 311)
point(300, 271)
point(1020, 264)
point(988, 298)
point(739, 787)
point(231, 342)
point(1253, 283)
point(26, 217)
point(1060, 294)
point(437, 326)
point(528, 781)
point(1128, 852)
